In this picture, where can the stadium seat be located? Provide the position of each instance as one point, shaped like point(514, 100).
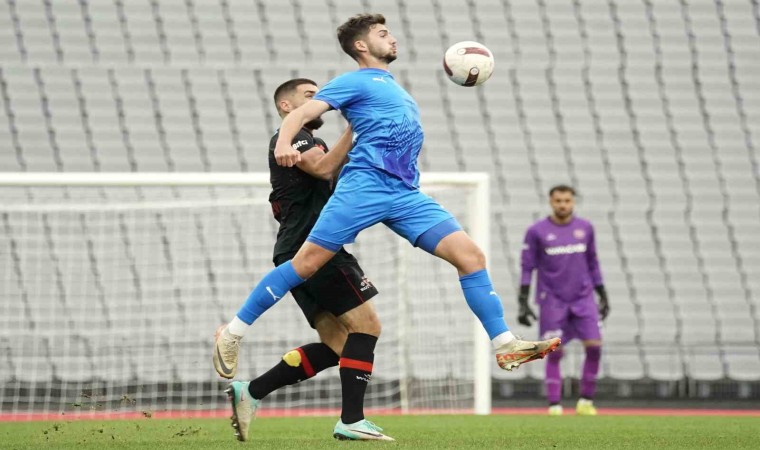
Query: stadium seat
point(743, 365)
point(705, 363)
point(31, 358)
point(624, 364)
point(662, 145)
point(663, 364)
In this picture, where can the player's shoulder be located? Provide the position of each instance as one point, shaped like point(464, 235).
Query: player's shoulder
point(347, 78)
point(539, 224)
point(580, 221)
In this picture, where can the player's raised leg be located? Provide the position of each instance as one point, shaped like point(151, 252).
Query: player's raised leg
point(268, 291)
point(461, 251)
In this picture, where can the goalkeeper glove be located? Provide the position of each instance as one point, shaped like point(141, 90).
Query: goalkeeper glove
point(604, 302)
point(524, 313)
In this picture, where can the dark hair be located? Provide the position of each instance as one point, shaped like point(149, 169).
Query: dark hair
point(354, 28)
point(561, 188)
point(288, 87)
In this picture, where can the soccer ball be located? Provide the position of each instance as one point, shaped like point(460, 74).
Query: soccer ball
point(468, 63)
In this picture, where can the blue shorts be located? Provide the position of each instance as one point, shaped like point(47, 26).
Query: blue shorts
point(365, 197)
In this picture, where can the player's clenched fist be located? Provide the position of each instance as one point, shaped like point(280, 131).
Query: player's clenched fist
point(286, 156)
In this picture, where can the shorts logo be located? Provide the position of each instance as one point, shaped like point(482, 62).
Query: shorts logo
point(579, 234)
point(548, 334)
point(365, 284)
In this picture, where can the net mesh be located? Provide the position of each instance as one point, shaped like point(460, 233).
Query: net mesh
point(111, 296)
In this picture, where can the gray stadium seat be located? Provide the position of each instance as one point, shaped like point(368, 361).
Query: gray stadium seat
point(186, 86)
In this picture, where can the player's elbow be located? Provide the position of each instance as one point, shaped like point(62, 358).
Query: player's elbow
point(324, 173)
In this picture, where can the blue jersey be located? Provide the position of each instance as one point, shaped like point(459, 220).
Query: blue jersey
point(385, 120)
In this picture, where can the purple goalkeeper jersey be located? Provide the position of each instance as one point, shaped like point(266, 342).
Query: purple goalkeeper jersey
point(565, 257)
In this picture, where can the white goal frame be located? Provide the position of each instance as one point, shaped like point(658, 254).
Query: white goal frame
point(478, 211)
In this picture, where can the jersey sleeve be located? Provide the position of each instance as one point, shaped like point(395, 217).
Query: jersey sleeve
point(339, 92)
point(303, 141)
point(593, 261)
point(529, 256)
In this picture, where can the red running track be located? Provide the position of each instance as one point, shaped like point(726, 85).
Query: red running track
point(223, 413)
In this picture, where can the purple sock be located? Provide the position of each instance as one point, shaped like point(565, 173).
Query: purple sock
point(590, 369)
point(553, 378)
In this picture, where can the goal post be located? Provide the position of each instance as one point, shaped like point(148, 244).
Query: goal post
point(113, 282)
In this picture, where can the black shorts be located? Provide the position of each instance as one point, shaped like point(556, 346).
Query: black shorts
point(337, 288)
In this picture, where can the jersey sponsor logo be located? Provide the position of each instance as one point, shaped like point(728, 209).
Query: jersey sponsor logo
point(566, 249)
point(299, 144)
point(579, 233)
point(365, 284)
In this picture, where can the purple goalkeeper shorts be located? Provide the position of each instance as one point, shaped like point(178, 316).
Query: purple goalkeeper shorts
point(569, 320)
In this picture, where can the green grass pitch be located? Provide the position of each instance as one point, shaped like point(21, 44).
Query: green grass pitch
point(412, 432)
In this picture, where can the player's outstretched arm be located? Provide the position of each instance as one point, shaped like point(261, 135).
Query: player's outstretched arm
point(284, 153)
point(323, 165)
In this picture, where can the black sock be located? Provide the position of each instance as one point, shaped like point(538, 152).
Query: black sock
point(296, 365)
point(355, 374)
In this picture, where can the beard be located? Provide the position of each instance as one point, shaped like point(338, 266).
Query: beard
point(563, 214)
point(314, 124)
point(387, 58)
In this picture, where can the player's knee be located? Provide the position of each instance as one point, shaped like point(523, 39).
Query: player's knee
point(593, 352)
point(305, 268)
point(334, 338)
point(368, 323)
point(555, 356)
point(471, 261)
point(371, 325)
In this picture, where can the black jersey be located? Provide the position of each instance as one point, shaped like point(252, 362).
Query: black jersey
point(297, 198)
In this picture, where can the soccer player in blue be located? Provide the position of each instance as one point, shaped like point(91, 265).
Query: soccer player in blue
point(380, 183)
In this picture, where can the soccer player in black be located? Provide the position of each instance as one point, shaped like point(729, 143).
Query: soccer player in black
point(335, 300)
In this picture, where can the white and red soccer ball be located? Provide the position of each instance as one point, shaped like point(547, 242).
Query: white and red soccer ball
point(468, 63)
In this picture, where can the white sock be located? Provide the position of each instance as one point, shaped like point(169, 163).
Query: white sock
point(504, 338)
point(238, 327)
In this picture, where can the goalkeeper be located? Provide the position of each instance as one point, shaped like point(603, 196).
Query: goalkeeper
point(335, 300)
point(562, 249)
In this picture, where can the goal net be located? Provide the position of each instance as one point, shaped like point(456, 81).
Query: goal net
point(112, 285)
